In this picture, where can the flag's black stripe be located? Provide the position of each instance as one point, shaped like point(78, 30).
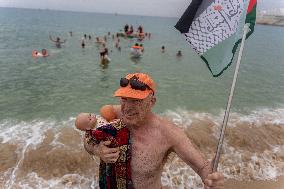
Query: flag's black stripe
point(186, 19)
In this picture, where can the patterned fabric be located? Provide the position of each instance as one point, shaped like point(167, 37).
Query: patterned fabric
point(114, 175)
point(214, 29)
point(214, 22)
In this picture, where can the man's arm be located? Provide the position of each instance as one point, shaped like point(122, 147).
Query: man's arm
point(188, 153)
point(193, 157)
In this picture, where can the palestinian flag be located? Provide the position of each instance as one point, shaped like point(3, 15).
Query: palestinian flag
point(213, 28)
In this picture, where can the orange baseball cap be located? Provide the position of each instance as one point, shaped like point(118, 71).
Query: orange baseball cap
point(133, 92)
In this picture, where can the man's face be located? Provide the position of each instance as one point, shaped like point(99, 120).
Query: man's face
point(134, 111)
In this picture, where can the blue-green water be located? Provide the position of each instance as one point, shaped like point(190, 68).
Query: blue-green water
point(39, 98)
point(71, 80)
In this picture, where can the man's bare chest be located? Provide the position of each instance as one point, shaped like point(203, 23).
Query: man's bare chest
point(147, 154)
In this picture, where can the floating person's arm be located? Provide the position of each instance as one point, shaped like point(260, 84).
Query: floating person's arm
point(63, 41)
point(51, 39)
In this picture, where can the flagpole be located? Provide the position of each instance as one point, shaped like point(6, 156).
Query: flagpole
point(227, 112)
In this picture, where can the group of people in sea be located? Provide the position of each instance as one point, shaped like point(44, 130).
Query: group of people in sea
point(135, 37)
point(139, 34)
point(43, 53)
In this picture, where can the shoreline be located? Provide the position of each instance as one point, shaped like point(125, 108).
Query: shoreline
point(270, 20)
point(256, 184)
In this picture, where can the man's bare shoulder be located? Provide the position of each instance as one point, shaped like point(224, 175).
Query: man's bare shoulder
point(168, 128)
point(166, 124)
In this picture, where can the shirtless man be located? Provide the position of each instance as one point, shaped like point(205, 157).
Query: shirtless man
point(57, 42)
point(152, 137)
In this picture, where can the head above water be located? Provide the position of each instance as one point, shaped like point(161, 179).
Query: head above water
point(43, 52)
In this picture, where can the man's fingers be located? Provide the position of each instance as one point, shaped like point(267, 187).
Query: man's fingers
point(215, 183)
point(112, 155)
point(215, 176)
point(106, 143)
point(113, 160)
point(217, 187)
point(110, 150)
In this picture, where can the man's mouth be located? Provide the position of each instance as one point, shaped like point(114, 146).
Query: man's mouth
point(130, 114)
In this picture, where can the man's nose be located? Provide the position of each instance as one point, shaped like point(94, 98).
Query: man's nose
point(129, 103)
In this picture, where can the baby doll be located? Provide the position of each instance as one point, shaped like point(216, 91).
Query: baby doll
point(97, 128)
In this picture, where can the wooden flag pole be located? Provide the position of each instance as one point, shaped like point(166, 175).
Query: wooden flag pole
point(227, 112)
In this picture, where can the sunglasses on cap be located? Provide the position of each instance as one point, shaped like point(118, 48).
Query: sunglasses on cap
point(134, 84)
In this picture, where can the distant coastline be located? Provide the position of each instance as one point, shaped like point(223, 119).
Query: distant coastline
point(262, 18)
point(270, 20)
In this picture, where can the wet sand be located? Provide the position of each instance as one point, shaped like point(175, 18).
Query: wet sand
point(269, 184)
point(235, 184)
point(60, 158)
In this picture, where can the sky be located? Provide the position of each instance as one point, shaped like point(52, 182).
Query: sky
point(168, 8)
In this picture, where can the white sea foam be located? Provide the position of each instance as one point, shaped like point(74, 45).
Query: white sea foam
point(236, 164)
point(24, 132)
point(26, 135)
point(262, 166)
point(182, 117)
point(72, 181)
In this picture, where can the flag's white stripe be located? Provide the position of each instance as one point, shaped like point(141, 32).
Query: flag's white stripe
point(216, 23)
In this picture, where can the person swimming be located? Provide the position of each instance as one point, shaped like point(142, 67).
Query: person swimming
point(163, 49)
point(142, 47)
point(104, 55)
point(83, 43)
point(100, 40)
point(43, 53)
point(57, 42)
point(126, 27)
point(179, 54)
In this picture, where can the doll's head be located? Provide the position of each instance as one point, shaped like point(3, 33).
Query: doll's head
point(108, 113)
point(85, 121)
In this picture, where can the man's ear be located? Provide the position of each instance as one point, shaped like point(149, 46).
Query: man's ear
point(153, 100)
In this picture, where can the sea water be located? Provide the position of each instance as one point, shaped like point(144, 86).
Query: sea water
point(40, 97)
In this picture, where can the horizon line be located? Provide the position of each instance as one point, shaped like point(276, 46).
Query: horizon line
point(78, 11)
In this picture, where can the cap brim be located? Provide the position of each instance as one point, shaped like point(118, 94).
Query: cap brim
point(128, 92)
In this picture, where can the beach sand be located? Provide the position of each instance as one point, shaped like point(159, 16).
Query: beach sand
point(261, 184)
point(269, 184)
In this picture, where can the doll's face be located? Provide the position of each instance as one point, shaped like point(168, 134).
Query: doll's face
point(86, 121)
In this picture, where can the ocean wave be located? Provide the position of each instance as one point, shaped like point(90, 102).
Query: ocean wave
point(50, 154)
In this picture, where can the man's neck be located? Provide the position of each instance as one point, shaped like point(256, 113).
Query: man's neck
point(143, 124)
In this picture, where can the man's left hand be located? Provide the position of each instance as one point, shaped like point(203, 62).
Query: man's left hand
point(214, 181)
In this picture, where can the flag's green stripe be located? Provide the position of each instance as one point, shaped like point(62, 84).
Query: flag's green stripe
point(223, 60)
point(250, 18)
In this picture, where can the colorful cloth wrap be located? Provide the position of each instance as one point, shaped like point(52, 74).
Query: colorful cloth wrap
point(114, 175)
